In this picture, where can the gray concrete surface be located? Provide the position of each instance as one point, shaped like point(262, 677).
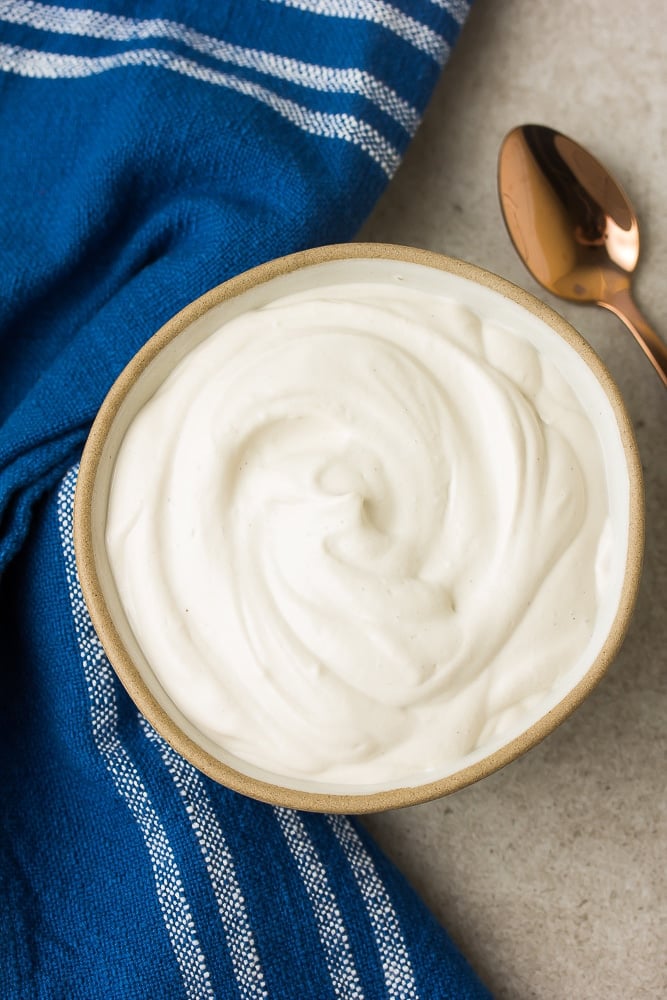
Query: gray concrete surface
point(551, 874)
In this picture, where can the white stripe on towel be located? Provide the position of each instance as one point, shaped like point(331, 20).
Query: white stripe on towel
point(99, 678)
point(394, 956)
point(95, 24)
point(457, 9)
point(219, 865)
point(51, 65)
point(330, 925)
point(383, 14)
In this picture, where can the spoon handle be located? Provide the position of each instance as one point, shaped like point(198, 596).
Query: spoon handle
point(623, 305)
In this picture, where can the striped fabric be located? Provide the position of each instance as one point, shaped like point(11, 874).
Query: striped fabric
point(149, 151)
point(182, 49)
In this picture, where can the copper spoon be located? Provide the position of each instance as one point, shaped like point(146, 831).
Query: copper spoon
point(573, 226)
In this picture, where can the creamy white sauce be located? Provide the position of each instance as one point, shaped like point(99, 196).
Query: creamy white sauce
point(359, 533)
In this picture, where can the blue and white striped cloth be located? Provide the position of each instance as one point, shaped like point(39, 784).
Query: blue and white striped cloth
point(149, 151)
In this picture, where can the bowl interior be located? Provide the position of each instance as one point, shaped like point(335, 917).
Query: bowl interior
point(491, 298)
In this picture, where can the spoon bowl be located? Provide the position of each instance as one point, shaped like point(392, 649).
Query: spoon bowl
point(573, 226)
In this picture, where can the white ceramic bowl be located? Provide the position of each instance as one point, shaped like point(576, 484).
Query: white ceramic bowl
point(492, 296)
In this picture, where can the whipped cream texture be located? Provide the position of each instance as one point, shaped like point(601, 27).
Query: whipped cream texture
point(360, 533)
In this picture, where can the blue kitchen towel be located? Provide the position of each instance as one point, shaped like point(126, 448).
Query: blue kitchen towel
point(148, 151)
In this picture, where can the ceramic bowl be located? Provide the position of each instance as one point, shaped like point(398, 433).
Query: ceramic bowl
point(356, 262)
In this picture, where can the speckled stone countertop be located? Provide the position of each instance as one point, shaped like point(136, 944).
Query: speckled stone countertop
point(552, 874)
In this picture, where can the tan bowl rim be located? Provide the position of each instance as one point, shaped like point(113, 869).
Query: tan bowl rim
point(363, 802)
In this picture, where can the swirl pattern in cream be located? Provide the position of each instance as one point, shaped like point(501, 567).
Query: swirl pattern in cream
point(359, 532)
